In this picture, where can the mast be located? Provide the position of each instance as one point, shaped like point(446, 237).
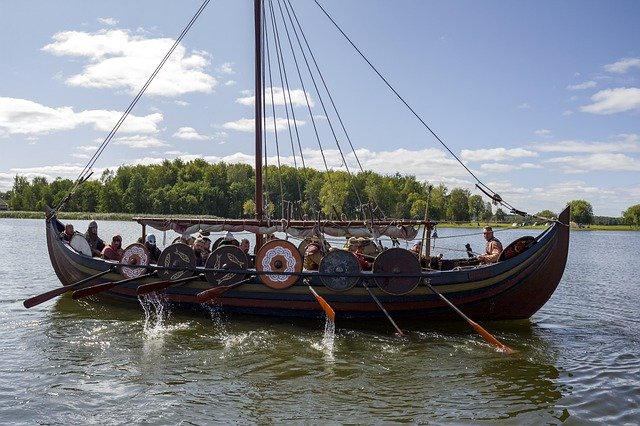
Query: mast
point(257, 16)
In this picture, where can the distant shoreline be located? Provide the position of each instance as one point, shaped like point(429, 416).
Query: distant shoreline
point(8, 214)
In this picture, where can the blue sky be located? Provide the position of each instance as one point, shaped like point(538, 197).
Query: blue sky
point(541, 100)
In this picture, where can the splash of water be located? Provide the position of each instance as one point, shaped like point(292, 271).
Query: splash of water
point(216, 318)
point(155, 315)
point(328, 340)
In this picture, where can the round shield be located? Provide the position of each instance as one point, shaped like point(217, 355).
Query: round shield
point(180, 261)
point(401, 269)
point(79, 243)
point(216, 243)
point(134, 254)
point(516, 247)
point(279, 256)
point(226, 258)
point(333, 268)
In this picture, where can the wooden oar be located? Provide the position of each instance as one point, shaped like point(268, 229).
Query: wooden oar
point(323, 303)
point(484, 333)
point(400, 333)
point(88, 291)
point(213, 293)
point(41, 298)
point(161, 285)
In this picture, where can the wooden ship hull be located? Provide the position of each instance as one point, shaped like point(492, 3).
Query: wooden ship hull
point(511, 289)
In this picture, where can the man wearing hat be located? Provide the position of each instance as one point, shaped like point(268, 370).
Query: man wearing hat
point(94, 241)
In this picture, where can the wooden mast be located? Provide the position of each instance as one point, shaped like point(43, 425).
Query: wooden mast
point(257, 16)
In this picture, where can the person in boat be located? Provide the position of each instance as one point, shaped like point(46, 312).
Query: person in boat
point(179, 239)
point(356, 246)
point(154, 251)
point(229, 240)
point(313, 254)
point(199, 251)
point(68, 233)
point(113, 251)
point(493, 249)
point(270, 237)
point(94, 241)
point(207, 245)
point(245, 245)
point(417, 249)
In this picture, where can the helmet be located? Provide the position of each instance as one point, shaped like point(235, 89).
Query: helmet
point(151, 239)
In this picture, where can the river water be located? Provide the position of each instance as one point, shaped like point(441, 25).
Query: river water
point(68, 362)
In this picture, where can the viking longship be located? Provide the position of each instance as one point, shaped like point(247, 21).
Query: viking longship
point(272, 281)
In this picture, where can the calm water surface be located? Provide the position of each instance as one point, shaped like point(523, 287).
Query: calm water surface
point(68, 362)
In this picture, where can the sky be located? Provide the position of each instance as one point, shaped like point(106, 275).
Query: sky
point(540, 100)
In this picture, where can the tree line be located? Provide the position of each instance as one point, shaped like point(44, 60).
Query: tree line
point(227, 190)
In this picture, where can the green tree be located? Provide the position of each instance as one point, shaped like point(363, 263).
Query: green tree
point(547, 213)
point(417, 209)
point(581, 212)
point(86, 196)
point(476, 207)
point(458, 206)
point(314, 181)
point(249, 208)
point(333, 194)
point(501, 216)
point(488, 213)
point(631, 216)
point(136, 199)
point(438, 202)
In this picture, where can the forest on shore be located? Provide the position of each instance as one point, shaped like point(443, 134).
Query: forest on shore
point(227, 190)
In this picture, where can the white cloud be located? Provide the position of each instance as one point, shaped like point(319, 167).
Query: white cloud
point(582, 86)
point(596, 162)
point(139, 141)
point(627, 143)
point(248, 124)
point(611, 101)
point(530, 166)
point(226, 68)
point(280, 97)
point(496, 154)
point(623, 65)
point(497, 167)
point(21, 116)
point(505, 168)
point(189, 133)
point(120, 60)
point(426, 164)
point(65, 171)
point(108, 21)
point(543, 133)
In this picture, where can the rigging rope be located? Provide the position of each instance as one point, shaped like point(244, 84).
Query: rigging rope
point(493, 195)
point(86, 172)
point(320, 98)
point(286, 91)
point(273, 109)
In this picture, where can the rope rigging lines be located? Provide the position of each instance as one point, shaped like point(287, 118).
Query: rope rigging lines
point(86, 172)
point(496, 198)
